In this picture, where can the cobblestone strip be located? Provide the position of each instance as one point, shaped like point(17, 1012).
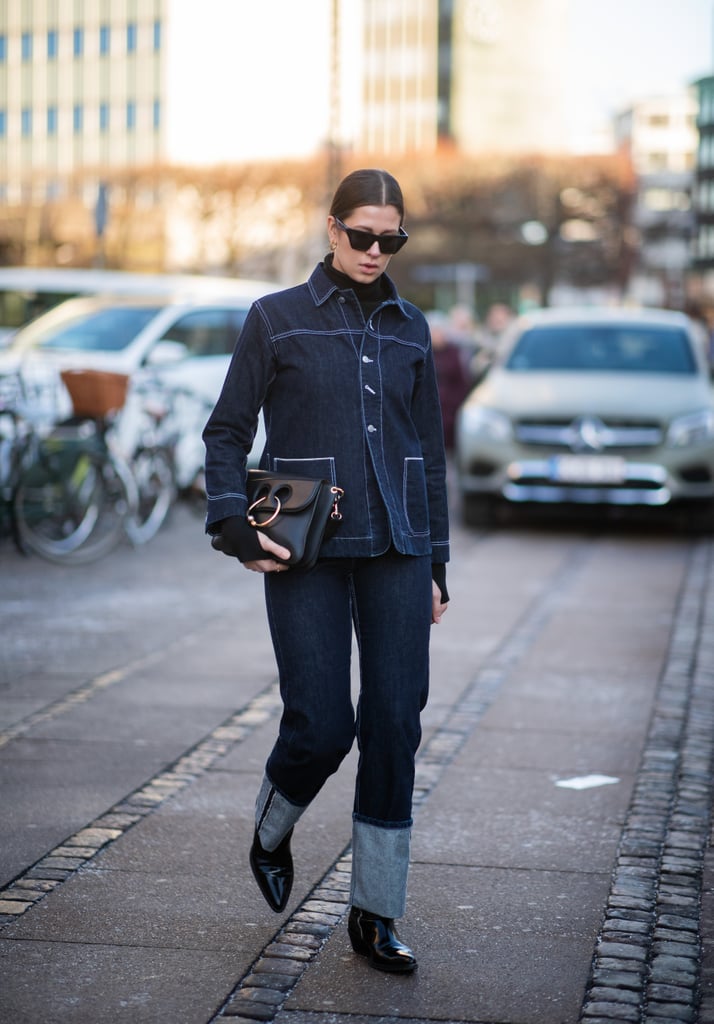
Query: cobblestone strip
point(263, 990)
point(647, 958)
point(26, 890)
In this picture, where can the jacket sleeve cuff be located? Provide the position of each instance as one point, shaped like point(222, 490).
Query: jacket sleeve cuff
point(237, 537)
point(438, 574)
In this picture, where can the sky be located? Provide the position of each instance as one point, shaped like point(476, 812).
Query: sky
point(278, 57)
point(625, 50)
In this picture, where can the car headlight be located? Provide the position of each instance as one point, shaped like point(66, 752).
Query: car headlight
point(479, 421)
point(694, 428)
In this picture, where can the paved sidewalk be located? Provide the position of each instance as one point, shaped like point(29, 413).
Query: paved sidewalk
point(561, 870)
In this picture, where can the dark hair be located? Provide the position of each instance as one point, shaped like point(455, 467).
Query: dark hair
point(368, 187)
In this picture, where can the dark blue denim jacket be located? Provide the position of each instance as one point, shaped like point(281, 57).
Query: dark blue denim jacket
point(352, 402)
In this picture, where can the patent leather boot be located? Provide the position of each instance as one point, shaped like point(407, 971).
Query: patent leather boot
point(376, 938)
point(273, 871)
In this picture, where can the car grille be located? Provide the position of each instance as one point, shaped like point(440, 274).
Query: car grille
point(589, 433)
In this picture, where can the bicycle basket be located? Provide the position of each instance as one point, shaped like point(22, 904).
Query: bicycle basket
point(95, 393)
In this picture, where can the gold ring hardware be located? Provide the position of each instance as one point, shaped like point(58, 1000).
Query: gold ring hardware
point(266, 522)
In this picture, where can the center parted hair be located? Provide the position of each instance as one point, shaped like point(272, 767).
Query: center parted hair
point(367, 187)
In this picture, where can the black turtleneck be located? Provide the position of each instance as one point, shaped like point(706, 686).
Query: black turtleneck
point(369, 295)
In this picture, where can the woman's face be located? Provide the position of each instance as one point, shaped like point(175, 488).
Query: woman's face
point(363, 267)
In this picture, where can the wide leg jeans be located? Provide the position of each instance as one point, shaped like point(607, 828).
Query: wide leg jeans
point(312, 614)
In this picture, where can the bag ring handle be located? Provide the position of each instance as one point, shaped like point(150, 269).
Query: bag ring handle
point(251, 518)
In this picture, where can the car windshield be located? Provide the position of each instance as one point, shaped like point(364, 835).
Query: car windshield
point(103, 330)
point(620, 348)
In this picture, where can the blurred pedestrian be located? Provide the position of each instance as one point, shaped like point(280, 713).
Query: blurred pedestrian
point(497, 320)
point(453, 380)
point(462, 329)
point(343, 369)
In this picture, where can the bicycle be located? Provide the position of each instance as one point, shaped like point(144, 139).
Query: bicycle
point(147, 433)
point(69, 495)
point(134, 433)
point(106, 472)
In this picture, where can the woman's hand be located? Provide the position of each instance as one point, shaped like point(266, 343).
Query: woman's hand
point(438, 607)
point(269, 564)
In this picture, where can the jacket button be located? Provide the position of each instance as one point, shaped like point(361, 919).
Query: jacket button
point(371, 429)
point(341, 299)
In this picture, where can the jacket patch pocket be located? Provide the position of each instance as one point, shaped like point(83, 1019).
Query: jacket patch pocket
point(416, 507)
point(318, 469)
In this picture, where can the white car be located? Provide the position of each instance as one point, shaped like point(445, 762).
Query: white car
point(186, 342)
point(26, 292)
point(598, 407)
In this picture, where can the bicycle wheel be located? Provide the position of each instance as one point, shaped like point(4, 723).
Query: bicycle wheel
point(70, 505)
point(153, 472)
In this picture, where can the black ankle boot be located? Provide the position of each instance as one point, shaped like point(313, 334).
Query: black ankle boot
point(376, 938)
point(273, 871)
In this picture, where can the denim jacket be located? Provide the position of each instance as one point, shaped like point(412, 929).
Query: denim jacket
point(346, 400)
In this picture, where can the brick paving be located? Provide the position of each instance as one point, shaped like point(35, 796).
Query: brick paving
point(647, 961)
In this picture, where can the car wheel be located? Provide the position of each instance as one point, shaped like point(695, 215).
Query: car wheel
point(478, 510)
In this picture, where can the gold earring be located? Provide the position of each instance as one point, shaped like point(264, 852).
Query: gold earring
point(333, 246)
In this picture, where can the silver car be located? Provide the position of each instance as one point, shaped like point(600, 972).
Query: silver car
point(606, 407)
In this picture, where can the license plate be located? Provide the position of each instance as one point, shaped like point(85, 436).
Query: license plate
point(588, 469)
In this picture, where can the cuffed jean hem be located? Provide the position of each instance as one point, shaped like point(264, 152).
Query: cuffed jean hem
point(380, 866)
point(274, 815)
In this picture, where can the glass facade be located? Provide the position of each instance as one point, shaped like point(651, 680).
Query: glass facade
point(703, 245)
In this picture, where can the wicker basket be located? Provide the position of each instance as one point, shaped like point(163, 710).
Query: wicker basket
point(95, 393)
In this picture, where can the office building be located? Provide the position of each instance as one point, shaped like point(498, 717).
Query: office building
point(660, 136)
point(482, 76)
point(703, 244)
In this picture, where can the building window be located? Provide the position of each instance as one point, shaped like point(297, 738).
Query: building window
point(26, 46)
point(104, 39)
point(78, 42)
point(157, 114)
point(131, 37)
point(77, 118)
point(3, 48)
point(52, 120)
point(26, 122)
point(130, 115)
point(157, 35)
point(3, 124)
point(657, 162)
point(103, 117)
point(52, 41)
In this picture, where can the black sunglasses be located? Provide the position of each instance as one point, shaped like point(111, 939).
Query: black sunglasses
point(361, 241)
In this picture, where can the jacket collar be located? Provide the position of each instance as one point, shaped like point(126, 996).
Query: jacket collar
point(322, 287)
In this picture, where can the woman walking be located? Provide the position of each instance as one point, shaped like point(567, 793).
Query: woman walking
point(343, 370)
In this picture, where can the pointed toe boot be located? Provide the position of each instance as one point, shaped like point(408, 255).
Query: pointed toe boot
point(273, 871)
point(376, 938)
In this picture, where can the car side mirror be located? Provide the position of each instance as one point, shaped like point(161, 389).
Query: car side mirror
point(166, 352)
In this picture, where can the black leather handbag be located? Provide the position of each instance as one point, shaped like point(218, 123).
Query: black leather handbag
point(295, 511)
